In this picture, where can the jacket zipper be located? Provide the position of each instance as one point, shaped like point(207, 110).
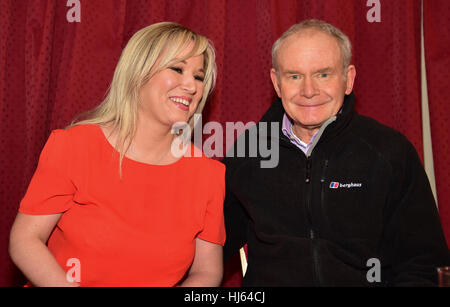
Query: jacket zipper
point(322, 204)
point(322, 181)
point(314, 252)
point(308, 192)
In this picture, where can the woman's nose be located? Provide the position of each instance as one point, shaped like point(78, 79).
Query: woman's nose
point(188, 84)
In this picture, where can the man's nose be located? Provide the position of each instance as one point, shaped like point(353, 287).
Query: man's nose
point(309, 88)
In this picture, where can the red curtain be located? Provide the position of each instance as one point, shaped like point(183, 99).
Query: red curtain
point(52, 69)
point(436, 17)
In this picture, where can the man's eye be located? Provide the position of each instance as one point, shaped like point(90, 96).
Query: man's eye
point(323, 75)
point(177, 69)
point(295, 77)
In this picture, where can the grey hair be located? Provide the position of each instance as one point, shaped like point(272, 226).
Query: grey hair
point(319, 25)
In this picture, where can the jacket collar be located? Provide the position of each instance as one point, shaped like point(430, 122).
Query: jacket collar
point(276, 112)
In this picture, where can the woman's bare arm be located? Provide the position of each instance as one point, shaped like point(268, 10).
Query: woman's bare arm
point(207, 267)
point(28, 250)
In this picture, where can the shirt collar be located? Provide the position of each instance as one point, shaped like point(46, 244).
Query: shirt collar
point(287, 131)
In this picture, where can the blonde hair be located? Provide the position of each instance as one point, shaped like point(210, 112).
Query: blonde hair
point(137, 64)
point(319, 25)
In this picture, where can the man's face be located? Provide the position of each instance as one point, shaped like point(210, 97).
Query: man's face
point(310, 80)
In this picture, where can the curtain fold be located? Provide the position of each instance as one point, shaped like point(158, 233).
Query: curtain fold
point(52, 69)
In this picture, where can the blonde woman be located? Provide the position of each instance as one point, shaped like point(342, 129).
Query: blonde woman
point(110, 204)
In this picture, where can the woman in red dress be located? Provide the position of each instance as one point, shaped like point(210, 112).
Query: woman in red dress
point(110, 203)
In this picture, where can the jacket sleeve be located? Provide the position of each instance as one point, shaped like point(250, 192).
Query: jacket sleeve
point(414, 238)
point(236, 219)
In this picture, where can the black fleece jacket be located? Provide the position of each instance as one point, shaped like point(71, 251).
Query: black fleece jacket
point(358, 211)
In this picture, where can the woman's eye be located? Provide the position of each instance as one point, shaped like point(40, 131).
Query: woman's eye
point(199, 78)
point(177, 69)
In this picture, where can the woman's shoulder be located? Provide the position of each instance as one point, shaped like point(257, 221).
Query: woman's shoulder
point(74, 137)
point(78, 132)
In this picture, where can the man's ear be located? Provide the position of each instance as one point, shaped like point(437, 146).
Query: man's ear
point(274, 78)
point(351, 74)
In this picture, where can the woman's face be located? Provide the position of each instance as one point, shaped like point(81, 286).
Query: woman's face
point(172, 94)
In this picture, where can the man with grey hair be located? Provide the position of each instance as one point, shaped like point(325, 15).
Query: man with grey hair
point(349, 203)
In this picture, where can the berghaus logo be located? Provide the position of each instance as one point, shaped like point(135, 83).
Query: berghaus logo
point(337, 185)
point(334, 185)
